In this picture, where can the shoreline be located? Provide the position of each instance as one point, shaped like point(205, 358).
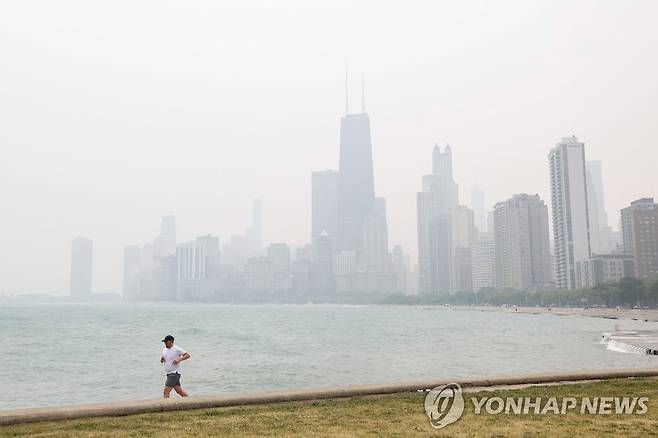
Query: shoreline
point(646, 315)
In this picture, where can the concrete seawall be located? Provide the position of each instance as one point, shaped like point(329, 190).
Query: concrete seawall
point(18, 416)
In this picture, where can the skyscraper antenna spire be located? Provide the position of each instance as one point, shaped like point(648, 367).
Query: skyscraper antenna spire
point(347, 103)
point(363, 93)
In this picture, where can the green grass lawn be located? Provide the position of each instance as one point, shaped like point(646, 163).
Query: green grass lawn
point(387, 415)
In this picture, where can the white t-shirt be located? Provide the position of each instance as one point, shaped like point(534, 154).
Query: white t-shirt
point(169, 355)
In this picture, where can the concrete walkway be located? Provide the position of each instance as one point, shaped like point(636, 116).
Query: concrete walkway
point(18, 416)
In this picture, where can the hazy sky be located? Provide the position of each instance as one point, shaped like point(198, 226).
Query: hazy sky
point(113, 114)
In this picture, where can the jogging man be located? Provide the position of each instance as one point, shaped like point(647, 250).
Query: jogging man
point(172, 356)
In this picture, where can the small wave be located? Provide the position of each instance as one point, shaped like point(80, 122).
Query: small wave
point(622, 347)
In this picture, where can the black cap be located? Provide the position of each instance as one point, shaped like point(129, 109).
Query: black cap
point(168, 338)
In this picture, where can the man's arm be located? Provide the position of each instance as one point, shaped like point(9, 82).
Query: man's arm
point(182, 357)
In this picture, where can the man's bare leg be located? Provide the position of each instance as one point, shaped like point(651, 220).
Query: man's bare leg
point(167, 390)
point(179, 389)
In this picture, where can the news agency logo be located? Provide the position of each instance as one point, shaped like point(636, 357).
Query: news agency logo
point(444, 405)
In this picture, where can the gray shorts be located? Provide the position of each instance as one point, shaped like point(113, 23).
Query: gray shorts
point(173, 379)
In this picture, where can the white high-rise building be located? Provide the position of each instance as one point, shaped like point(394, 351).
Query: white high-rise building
point(191, 261)
point(483, 262)
point(571, 232)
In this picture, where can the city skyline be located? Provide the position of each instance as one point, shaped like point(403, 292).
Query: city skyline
point(119, 154)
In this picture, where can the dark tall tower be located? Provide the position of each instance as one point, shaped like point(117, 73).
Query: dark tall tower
point(356, 186)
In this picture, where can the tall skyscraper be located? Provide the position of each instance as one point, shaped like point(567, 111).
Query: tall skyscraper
point(361, 217)
point(81, 259)
point(356, 186)
point(523, 258)
point(570, 209)
point(438, 196)
point(639, 224)
point(324, 203)
point(442, 182)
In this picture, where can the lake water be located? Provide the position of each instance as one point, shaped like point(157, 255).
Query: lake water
point(68, 353)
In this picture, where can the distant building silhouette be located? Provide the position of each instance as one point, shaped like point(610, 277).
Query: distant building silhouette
point(131, 269)
point(439, 195)
point(165, 275)
point(81, 264)
point(258, 275)
point(211, 283)
point(400, 262)
point(462, 237)
point(603, 239)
